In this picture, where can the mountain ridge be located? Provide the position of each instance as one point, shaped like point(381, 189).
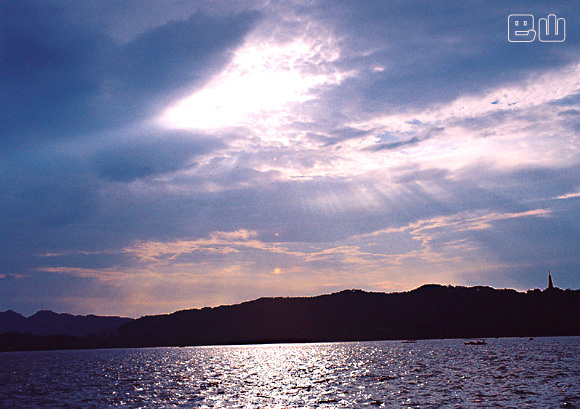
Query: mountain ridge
point(46, 322)
point(429, 311)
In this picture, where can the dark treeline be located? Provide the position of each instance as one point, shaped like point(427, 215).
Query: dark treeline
point(431, 311)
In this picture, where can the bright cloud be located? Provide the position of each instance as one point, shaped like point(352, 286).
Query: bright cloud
point(257, 88)
point(569, 196)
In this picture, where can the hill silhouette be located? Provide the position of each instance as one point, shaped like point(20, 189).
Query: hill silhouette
point(431, 311)
point(46, 322)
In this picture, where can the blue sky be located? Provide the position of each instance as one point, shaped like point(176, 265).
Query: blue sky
point(157, 156)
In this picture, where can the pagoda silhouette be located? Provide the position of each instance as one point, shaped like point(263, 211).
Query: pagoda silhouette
point(552, 289)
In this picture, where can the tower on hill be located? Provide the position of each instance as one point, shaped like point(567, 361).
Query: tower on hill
point(550, 284)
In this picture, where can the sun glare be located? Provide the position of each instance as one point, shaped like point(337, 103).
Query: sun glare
point(259, 82)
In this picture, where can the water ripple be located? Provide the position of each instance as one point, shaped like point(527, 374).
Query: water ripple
point(505, 373)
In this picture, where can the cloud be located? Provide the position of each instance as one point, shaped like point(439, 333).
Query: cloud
point(422, 50)
point(569, 196)
point(412, 141)
point(194, 153)
point(178, 54)
point(218, 243)
point(10, 277)
point(263, 78)
point(143, 156)
point(101, 274)
point(65, 79)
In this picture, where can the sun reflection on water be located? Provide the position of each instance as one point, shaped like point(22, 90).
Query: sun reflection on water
point(428, 374)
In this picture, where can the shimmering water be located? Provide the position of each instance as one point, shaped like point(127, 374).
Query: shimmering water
point(506, 373)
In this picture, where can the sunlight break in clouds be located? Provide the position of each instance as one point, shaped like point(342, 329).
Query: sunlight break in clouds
point(263, 78)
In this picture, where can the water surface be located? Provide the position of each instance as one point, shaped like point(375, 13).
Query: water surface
point(505, 373)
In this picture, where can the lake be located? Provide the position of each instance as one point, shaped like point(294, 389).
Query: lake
point(505, 373)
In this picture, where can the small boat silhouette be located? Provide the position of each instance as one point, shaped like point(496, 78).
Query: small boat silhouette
point(478, 342)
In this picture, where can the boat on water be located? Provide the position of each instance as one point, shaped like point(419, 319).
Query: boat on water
point(478, 342)
point(410, 341)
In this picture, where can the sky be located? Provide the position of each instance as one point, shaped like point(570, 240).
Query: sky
point(157, 156)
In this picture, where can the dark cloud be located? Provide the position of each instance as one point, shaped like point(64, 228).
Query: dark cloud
point(569, 100)
point(570, 113)
point(149, 155)
point(407, 142)
point(48, 70)
point(434, 52)
point(60, 79)
point(58, 201)
point(178, 54)
point(339, 135)
point(124, 21)
point(47, 189)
